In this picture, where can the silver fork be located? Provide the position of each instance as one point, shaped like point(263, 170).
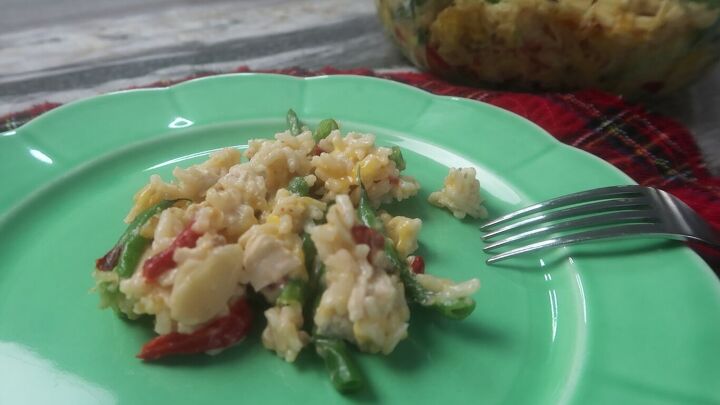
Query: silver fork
point(598, 214)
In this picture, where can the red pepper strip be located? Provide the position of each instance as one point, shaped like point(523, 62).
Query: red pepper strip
point(155, 266)
point(417, 265)
point(218, 334)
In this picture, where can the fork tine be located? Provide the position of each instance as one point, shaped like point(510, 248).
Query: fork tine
point(602, 219)
point(607, 233)
point(589, 208)
point(583, 196)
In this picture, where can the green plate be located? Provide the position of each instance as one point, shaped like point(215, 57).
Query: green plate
point(627, 323)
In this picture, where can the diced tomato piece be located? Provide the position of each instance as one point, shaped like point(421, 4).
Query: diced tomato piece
point(218, 334)
point(155, 266)
point(417, 265)
point(362, 234)
point(317, 150)
point(367, 236)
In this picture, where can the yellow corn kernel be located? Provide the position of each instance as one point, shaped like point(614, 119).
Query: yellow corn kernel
point(339, 185)
point(369, 168)
point(403, 231)
point(273, 219)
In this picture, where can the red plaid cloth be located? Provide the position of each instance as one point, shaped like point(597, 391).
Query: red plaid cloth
point(654, 150)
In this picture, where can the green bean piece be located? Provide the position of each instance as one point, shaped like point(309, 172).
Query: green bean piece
point(111, 297)
point(298, 290)
point(310, 252)
point(144, 216)
point(454, 309)
point(316, 288)
point(397, 157)
point(366, 211)
point(458, 308)
point(293, 122)
point(344, 373)
point(317, 285)
point(415, 292)
point(299, 186)
point(294, 291)
point(133, 251)
point(126, 253)
point(324, 128)
point(315, 270)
